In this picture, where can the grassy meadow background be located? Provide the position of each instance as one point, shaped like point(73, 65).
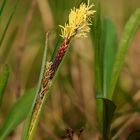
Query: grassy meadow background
point(72, 103)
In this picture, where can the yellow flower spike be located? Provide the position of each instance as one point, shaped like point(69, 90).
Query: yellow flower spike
point(78, 23)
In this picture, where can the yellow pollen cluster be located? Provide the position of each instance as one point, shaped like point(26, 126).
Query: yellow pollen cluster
point(78, 23)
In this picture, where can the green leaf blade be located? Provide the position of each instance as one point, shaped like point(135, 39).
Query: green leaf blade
point(128, 34)
point(3, 81)
point(17, 114)
point(110, 49)
point(97, 34)
point(8, 23)
point(29, 117)
point(2, 7)
point(106, 109)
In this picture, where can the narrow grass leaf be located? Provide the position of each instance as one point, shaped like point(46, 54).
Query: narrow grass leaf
point(97, 34)
point(17, 114)
point(3, 81)
point(106, 111)
point(2, 7)
point(109, 45)
point(99, 106)
point(29, 117)
point(128, 34)
point(8, 23)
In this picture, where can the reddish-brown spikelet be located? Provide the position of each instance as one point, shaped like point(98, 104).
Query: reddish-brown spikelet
point(57, 60)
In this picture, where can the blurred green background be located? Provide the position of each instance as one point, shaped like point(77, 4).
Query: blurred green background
point(72, 102)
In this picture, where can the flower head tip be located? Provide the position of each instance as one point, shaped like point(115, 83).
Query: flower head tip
point(78, 22)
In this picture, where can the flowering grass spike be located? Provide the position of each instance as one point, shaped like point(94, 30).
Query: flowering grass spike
point(78, 22)
point(78, 26)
